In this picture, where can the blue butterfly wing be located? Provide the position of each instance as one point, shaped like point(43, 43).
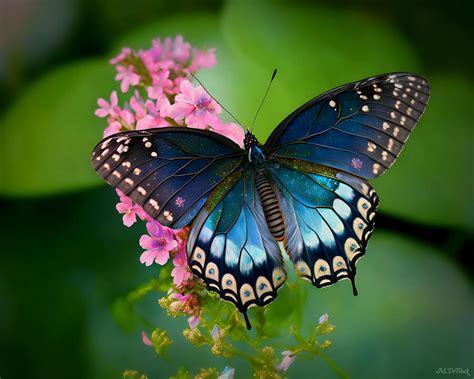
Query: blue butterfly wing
point(170, 172)
point(359, 127)
point(230, 246)
point(329, 217)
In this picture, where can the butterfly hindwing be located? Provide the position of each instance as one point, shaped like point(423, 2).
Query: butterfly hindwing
point(359, 127)
point(231, 248)
point(329, 217)
point(170, 172)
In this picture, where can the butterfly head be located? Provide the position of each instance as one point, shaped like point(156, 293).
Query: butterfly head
point(250, 140)
point(256, 156)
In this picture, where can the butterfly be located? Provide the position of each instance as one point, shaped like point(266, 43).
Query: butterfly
point(304, 191)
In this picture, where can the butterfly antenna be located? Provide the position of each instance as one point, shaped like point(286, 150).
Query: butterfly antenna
point(264, 97)
point(224, 108)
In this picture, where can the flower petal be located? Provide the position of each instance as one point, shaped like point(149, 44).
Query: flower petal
point(129, 219)
point(162, 257)
point(193, 321)
point(146, 340)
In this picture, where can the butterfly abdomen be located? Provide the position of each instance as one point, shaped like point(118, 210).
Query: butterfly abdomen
point(271, 206)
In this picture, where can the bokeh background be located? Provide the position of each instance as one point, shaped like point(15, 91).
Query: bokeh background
point(67, 263)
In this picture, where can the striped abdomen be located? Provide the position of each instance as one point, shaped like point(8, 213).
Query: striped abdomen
point(271, 206)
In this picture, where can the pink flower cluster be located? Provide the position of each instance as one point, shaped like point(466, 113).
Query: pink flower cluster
point(163, 94)
point(158, 92)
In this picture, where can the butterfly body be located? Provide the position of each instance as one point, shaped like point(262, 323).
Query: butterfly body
point(304, 191)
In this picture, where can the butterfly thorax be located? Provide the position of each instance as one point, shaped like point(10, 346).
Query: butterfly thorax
point(256, 157)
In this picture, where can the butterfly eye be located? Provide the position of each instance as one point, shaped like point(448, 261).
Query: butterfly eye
point(229, 282)
point(262, 286)
point(246, 293)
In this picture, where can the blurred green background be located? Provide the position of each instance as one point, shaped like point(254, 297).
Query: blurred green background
point(66, 259)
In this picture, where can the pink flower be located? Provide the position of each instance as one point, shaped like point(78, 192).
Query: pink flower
point(193, 321)
point(180, 272)
point(288, 358)
point(105, 108)
point(231, 130)
point(146, 340)
point(158, 243)
point(202, 59)
point(183, 298)
point(127, 118)
point(196, 106)
point(180, 50)
point(161, 84)
point(154, 119)
point(129, 209)
point(138, 107)
point(128, 77)
point(113, 128)
point(126, 51)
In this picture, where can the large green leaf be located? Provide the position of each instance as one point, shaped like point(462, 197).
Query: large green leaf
point(48, 134)
point(414, 305)
point(433, 177)
point(311, 49)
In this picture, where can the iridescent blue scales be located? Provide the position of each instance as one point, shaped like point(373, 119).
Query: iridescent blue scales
point(231, 247)
point(358, 128)
point(329, 217)
point(304, 192)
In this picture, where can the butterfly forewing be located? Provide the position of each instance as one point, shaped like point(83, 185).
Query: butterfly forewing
point(170, 172)
point(359, 127)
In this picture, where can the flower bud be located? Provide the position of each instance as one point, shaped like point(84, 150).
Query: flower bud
point(160, 340)
point(194, 336)
point(325, 344)
point(208, 373)
point(216, 348)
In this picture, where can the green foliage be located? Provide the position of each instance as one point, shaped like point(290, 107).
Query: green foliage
point(49, 133)
point(129, 374)
point(182, 374)
point(311, 54)
point(222, 329)
point(123, 308)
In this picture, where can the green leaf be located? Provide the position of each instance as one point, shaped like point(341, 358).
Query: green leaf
point(287, 309)
point(433, 176)
point(50, 131)
point(124, 314)
point(311, 49)
point(411, 296)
